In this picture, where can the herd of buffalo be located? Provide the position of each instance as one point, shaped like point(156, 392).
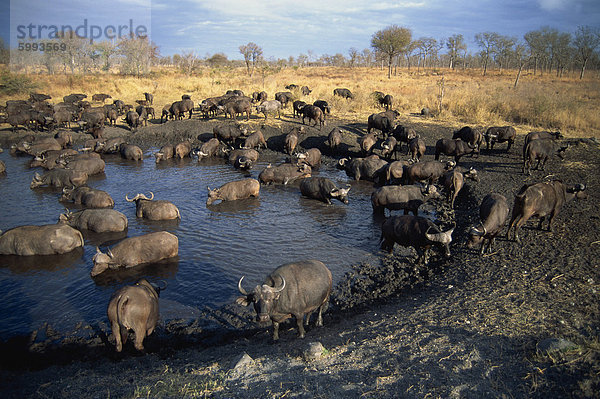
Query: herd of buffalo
point(295, 289)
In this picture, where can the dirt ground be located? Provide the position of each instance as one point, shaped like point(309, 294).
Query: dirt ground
point(522, 322)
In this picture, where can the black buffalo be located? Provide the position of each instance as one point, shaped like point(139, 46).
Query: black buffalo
point(293, 289)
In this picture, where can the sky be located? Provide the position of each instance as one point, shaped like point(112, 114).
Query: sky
point(288, 28)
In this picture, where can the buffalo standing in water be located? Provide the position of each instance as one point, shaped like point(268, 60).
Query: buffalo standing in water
point(134, 307)
point(294, 289)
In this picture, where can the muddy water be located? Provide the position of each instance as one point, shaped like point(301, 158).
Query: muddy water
point(217, 245)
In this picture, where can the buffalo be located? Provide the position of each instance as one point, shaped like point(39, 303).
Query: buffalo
point(165, 152)
point(96, 220)
point(133, 307)
point(370, 168)
point(132, 119)
point(269, 107)
point(323, 189)
point(429, 171)
point(284, 173)
point(293, 289)
point(383, 121)
point(235, 190)
point(237, 106)
point(311, 157)
point(407, 198)
point(209, 149)
point(416, 148)
point(183, 149)
point(542, 200)
point(297, 107)
point(417, 232)
point(323, 105)
point(334, 139)
point(453, 182)
point(243, 158)
point(291, 139)
point(131, 152)
point(149, 97)
point(389, 148)
point(228, 133)
point(101, 97)
point(493, 213)
point(314, 113)
point(255, 140)
point(344, 93)
point(284, 97)
point(60, 178)
point(258, 97)
point(471, 136)
point(154, 210)
point(367, 143)
point(87, 197)
point(50, 239)
point(133, 251)
point(500, 134)
point(453, 147)
point(540, 150)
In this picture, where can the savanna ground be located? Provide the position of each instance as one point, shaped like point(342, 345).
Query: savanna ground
point(471, 326)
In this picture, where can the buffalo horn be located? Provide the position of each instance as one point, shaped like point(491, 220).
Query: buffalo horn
point(275, 289)
point(164, 287)
point(242, 290)
point(580, 187)
point(109, 253)
point(131, 200)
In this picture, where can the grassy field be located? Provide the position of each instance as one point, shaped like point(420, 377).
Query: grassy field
point(540, 102)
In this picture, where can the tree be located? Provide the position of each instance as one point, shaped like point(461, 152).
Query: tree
point(521, 57)
point(218, 59)
point(352, 56)
point(137, 54)
point(587, 39)
point(391, 41)
point(487, 42)
point(252, 55)
point(455, 44)
point(188, 62)
point(428, 47)
point(537, 47)
point(503, 49)
point(106, 49)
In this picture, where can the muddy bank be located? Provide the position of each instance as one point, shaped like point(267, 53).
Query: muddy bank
point(465, 327)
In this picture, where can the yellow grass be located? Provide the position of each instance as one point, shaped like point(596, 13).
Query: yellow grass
point(540, 102)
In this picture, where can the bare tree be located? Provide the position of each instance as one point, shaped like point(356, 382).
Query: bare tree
point(137, 54)
point(107, 50)
point(352, 56)
point(455, 44)
point(188, 62)
point(252, 55)
point(486, 41)
point(391, 41)
point(522, 57)
point(503, 49)
point(587, 40)
point(428, 47)
point(537, 47)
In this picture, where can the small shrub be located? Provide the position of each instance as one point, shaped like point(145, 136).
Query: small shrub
point(11, 84)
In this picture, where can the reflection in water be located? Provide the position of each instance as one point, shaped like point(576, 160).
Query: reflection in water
point(47, 263)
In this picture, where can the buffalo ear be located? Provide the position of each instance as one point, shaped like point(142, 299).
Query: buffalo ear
point(244, 300)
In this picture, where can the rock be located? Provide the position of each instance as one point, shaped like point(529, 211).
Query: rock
point(314, 351)
point(549, 345)
point(241, 362)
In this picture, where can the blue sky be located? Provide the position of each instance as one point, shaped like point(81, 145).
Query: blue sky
point(284, 28)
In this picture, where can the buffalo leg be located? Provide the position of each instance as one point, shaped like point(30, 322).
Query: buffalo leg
point(124, 332)
point(275, 330)
point(322, 308)
point(299, 322)
point(140, 334)
point(117, 333)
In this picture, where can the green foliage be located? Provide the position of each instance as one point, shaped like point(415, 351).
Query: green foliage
point(16, 84)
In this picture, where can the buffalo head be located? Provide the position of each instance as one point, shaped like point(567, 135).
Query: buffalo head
point(140, 197)
point(341, 194)
point(264, 298)
point(102, 261)
point(443, 239)
point(476, 235)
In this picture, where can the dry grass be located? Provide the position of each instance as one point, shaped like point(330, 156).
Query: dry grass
point(540, 102)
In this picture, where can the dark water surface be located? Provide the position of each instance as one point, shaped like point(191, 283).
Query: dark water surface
point(216, 245)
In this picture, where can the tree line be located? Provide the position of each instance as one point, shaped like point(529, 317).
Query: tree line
point(543, 50)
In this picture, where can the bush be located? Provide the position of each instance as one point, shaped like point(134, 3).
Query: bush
point(15, 84)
